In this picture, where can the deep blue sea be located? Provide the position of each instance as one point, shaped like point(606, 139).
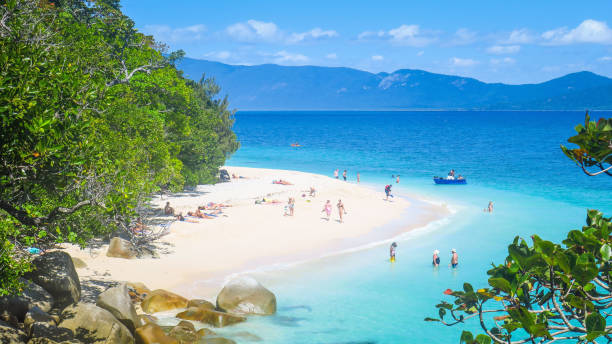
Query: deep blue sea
point(510, 158)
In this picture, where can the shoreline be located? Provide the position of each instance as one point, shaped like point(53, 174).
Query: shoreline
point(251, 237)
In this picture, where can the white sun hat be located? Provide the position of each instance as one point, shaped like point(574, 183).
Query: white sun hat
point(453, 250)
point(436, 252)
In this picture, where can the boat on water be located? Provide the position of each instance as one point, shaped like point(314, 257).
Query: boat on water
point(296, 145)
point(439, 180)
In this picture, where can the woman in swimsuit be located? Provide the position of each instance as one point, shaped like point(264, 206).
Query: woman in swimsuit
point(327, 209)
point(392, 252)
point(341, 209)
point(436, 258)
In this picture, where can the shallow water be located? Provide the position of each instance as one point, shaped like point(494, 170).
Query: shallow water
point(511, 158)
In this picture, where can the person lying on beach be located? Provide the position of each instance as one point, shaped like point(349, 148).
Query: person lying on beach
point(341, 209)
point(327, 209)
point(200, 214)
point(238, 177)
point(282, 182)
point(213, 205)
point(312, 192)
point(168, 210)
point(182, 218)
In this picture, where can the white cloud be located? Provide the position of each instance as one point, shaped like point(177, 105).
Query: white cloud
point(459, 62)
point(219, 55)
point(589, 31)
point(519, 36)
point(410, 35)
point(316, 33)
point(165, 33)
point(464, 36)
point(605, 58)
point(503, 49)
point(377, 58)
point(286, 57)
point(331, 56)
point(254, 30)
point(420, 53)
point(504, 61)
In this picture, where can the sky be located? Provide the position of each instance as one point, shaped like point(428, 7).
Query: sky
point(512, 42)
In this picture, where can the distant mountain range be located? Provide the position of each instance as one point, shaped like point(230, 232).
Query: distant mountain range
point(274, 87)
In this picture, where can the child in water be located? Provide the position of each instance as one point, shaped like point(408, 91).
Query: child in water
point(392, 252)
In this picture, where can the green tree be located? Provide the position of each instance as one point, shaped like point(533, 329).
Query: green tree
point(547, 292)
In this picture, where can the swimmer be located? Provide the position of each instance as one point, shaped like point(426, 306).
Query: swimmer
point(392, 252)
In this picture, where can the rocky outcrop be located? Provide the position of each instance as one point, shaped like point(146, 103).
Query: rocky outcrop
point(121, 248)
point(215, 340)
point(162, 300)
point(201, 304)
point(78, 263)
point(51, 332)
point(211, 317)
point(9, 334)
point(32, 295)
point(37, 315)
point(117, 301)
point(92, 324)
point(137, 291)
point(153, 334)
point(244, 295)
point(54, 271)
point(184, 332)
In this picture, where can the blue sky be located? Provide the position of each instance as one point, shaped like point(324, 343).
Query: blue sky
point(491, 40)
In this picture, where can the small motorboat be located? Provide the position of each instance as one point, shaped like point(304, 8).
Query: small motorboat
point(439, 180)
point(296, 145)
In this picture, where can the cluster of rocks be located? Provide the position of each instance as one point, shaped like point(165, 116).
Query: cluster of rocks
point(49, 310)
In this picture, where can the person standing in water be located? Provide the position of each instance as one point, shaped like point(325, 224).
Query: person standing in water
point(454, 259)
point(436, 258)
point(490, 207)
point(397, 179)
point(341, 209)
point(392, 252)
point(327, 209)
point(357, 177)
point(336, 173)
point(344, 175)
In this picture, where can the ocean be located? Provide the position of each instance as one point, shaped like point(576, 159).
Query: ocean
point(510, 158)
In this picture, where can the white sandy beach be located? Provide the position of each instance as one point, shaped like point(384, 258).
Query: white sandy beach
point(249, 235)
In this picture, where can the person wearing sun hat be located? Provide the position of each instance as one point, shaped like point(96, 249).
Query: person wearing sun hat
point(436, 258)
point(454, 259)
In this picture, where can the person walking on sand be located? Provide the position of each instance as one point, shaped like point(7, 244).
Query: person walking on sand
point(290, 207)
point(344, 175)
point(341, 209)
point(336, 174)
point(454, 259)
point(392, 252)
point(327, 209)
point(357, 177)
point(436, 258)
point(388, 192)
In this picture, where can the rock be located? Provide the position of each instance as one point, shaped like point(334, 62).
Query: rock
point(54, 271)
point(187, 324)
point(201, 304)
point(153, 334)
point(203, 332)
point(183, 333)
point(9, 334)
point(117, 301)
point(45, 330)
point(247, 336)
point(211, 317)
point(78, 263)
point(162, 300)
point(92, 324)
point(32, 295)
point(37, 315)
point(42, 340)
point(215, 340)
point(121, 248)
point(244, 295)
point(146, 319)
point(137, 291)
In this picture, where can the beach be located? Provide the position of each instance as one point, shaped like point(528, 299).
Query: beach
point(194, 259)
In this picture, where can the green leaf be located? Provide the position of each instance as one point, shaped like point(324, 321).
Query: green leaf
point(595, 325)
point(483, 339)
point(500, 283)
point(605, 251)
point(466, 337)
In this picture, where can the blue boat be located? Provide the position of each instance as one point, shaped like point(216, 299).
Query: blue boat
point(439, 180)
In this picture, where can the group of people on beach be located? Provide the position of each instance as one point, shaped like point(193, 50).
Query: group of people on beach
point(454, 261)
point(344, 175)
point(212, 210)
point(327, 209)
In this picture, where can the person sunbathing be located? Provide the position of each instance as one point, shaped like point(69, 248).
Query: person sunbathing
point(281, 182)
point(182, 218)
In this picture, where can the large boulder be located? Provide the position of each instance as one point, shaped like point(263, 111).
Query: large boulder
point(117, 301)
point(184, 332)
point(92, 324)
point(55, 272)
point(37, 315)
point(201, 304)
point(211, 317)
point(32, 295)
point(215, 340)
point(9, 334)
point(137, 291)
point(121, 248)
point(244, 295)
point(162, 300)
point(52, 332)
point(153, 334)
point(43, 340)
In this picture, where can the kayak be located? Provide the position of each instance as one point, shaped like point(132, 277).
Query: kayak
point(439, 180)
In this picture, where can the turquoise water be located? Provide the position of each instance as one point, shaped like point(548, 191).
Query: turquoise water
point(511, 158)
